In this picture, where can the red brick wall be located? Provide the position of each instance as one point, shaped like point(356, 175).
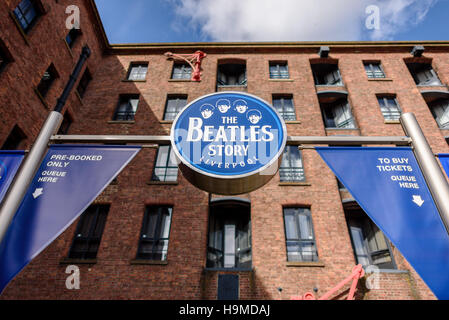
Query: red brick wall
point(184, 277)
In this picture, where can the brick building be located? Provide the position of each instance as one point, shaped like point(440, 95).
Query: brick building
point(151, 234)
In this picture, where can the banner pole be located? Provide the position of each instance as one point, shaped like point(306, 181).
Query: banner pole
point(32, 161)
point(435, 178)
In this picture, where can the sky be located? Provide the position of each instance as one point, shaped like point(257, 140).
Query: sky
point(163, 21)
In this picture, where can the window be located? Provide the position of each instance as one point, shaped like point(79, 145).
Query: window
point(66, 123)
point(166, 167)
point(88, 233)
point(127, 108)
point(374, 70)
point(440, 111)
point(292, 169)
point(5, 56)
point(337, 114)
point(279, 70)
point(154, 237)
point(299, 235)
point(72, 36)
point(27, 13)
point(231, 74)
point(182, 71)
point(229, 244)
point(369, 243)
point(423, 74)
point(138, 71)
point(47, 80)
point(173, 106)
point(327, 74)
point(15, 139)
point(284, 105)
point(84, 83)
point(389, 107)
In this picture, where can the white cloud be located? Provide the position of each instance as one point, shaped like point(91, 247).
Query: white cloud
point(299, 20)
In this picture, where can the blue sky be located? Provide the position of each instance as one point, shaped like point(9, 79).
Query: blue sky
point(156, 21)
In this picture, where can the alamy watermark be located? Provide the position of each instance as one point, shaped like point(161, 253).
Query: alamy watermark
point(73, 20)
point(73, 280)
point(372, 21)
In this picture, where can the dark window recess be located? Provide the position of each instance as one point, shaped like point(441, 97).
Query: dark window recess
point(5, 56)
point(138, 71)
point(127, 108)
point(173, 106)
point(66, 123)
point(84, 83)
point(166, 168)
point(327, 74)
point(15, 139)
point(72, 36)
point(279, 70)
point(369, 243)
point(27, 13)
point(337, 114)
point(47, 80)
point(299, 235)
point(423, 74)
point(231, 75)
point(89, 232)
point(284, 106)
point(440, 111)
point(374, 70)
point(154, 237)
point(182, 71)
point(389, 107)
point(229, 244)
point(228, 287)
point(292, 169)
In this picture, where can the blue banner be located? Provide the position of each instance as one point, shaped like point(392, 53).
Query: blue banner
point(444, 160)
point(389, 186)
point(69, 179)
point(9, 164)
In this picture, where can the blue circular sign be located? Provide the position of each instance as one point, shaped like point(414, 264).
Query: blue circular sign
point(229, 135)
point(3, 172)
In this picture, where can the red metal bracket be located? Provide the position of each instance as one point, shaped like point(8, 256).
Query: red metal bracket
point(356, 274)
point(194, 60)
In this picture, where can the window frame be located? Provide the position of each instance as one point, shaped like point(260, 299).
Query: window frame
point(285, 115)
point(178, 98)
point(16, 131)
point(5, 55)
point(416, 68)
point(167, 166)
point(83, 83)
point(129, 115)
point(238, 83)
point(387, 105)
point(37, 6)
point(330, 107)
point(300, 210)
point(319, 74)
point(278, 75)
point(183, 73)
point(44, 87)
point(100, 209)
point(445, 105)
point(290, 168)
point(74, 35)
point(359, 223)
point(157, 231)
point(141, 65)
point(371, 74)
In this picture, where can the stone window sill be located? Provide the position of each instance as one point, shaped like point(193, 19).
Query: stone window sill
point(166, 122)
point(180, 80)
point(41, 98)
point(162, 183)
point(293, 122)
point(287, 184)
point(380, 79)
point(78, 261)
point(121, 122)
point(128, 80)
point(148, 262)
point(306, 264)
point(392, 122)
point(282, 80)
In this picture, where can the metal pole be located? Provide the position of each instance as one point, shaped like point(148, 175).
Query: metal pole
point(19, 187)
point(30, 165)
point(430, 168)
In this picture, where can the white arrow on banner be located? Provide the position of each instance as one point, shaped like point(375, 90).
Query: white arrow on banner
point(418, 200)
